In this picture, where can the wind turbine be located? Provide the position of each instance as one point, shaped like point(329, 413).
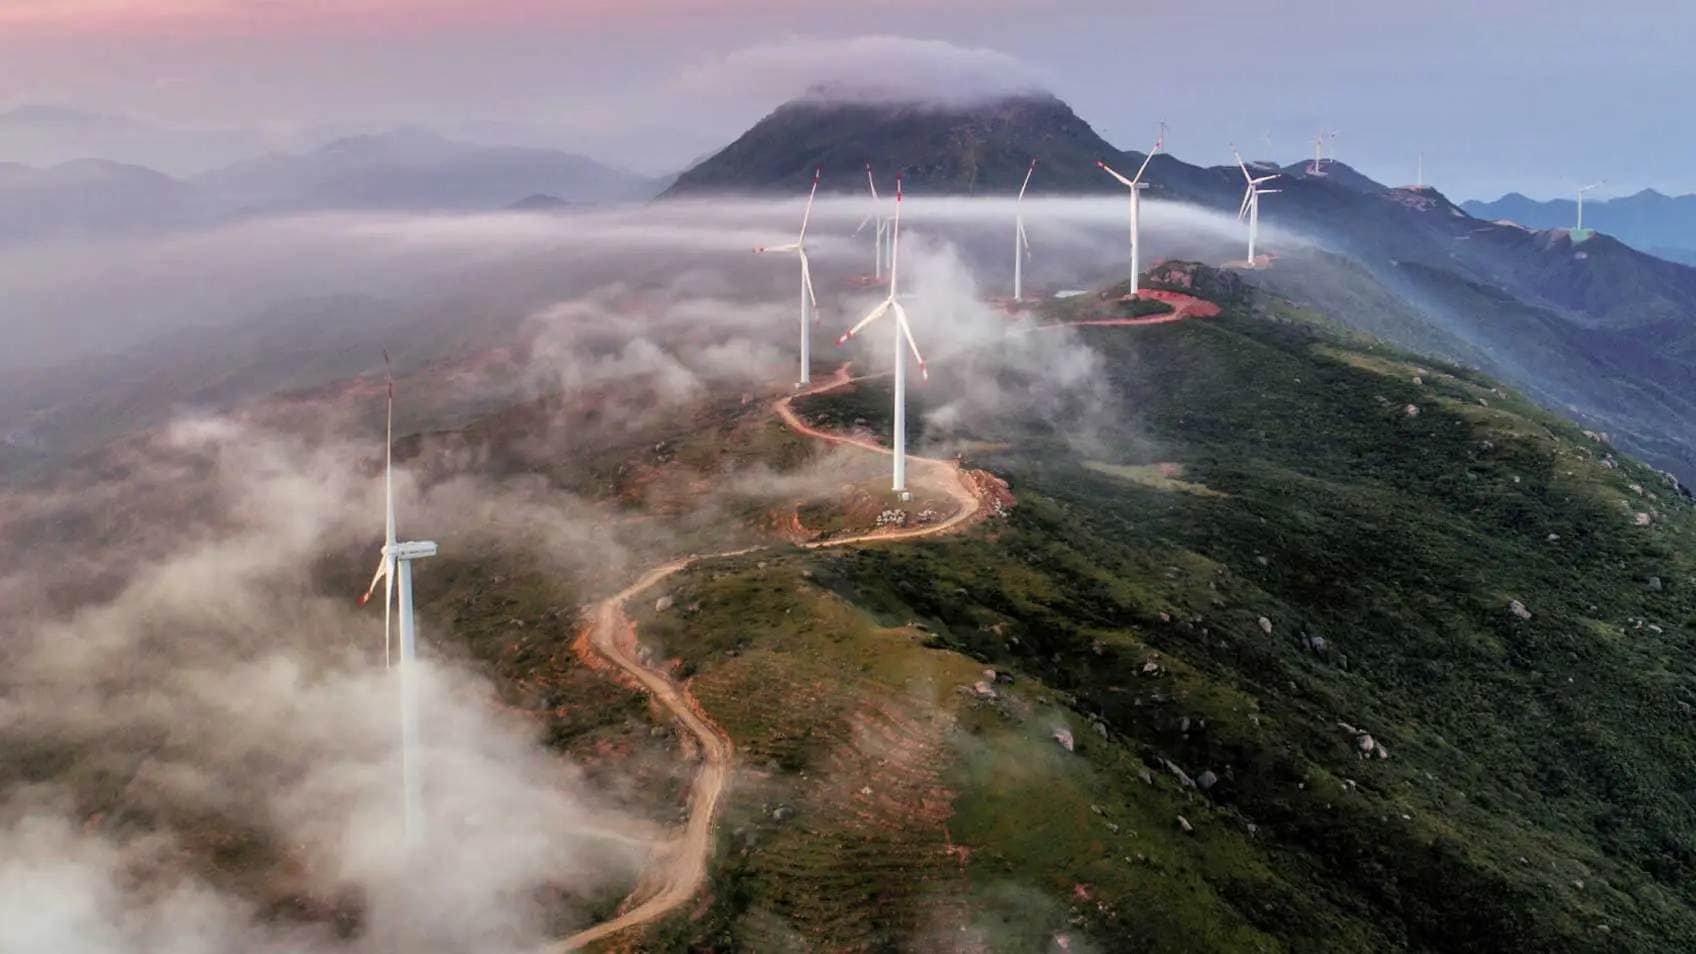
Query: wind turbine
point(799, 247)
point(882, 231)
point(1419, 182)
point(394, 568)
point(1251, 202)
point(1580, 226)
point(1021, 244)
point(1320, 141)
point(903, 331)
point(1136, 185)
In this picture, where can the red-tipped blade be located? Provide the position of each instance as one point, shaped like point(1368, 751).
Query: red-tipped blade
point(364, 598)
point(843, 340)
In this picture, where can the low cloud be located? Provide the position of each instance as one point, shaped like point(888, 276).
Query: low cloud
point(874, 68)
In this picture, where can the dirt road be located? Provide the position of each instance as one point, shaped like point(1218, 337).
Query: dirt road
point(680, 867)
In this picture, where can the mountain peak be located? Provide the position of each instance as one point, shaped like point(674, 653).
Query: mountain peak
point(958, 147)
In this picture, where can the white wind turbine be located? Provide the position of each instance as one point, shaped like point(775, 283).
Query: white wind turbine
point(1021, 244)
point(881, 232)
point(394, 568)
point(1136, 185)
point(1580, 226)
point(799, 247)
point(1321, 140)
point(1251, 203)
point(902, 331)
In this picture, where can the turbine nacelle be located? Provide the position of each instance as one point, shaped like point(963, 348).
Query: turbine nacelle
point(413, 550)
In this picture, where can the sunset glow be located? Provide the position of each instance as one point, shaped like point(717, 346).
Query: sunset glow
point(311, 16)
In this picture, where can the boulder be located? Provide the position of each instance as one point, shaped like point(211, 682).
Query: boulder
point(1064, 737)
point(662, 604)
point(1265, 625)
point(1518, 609)
point(1206, 780)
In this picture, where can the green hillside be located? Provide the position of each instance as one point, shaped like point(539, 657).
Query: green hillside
point(1270, 544)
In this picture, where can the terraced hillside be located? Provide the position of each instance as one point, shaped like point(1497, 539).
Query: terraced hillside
point(1297, 643)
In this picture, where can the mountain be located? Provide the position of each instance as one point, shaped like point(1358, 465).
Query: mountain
point(540, 203)
point(90, 195)
point(412, 169)
point(1337, 173)
point(403, 170)
point(1279, 549)
point(971, 149)
point(1660, 224)
point(1589, 324)
point(46, 135)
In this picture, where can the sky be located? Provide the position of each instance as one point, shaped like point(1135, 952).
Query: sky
point(1511, 95)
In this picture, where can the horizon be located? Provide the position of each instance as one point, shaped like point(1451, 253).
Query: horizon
point(248, 79)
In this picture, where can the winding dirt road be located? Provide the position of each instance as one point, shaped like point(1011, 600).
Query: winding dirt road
point(679, 866)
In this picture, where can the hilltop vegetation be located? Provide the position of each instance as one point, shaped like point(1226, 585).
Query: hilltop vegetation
point(1409, 656)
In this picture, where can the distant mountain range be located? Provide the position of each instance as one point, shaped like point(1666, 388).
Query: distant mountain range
point(1663, 225)
point(402, 170)
point(44, 135)
point(1588, 324)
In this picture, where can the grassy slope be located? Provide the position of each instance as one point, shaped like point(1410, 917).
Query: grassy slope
point(1537, 790)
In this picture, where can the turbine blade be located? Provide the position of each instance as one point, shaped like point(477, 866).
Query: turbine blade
point(895, 238)
point(809, 213)
point(875, 315)
point(791, 247)
point(871, 182)
point(1122, 180)
point(1240, 165)
point(1027, 182)
point(807, 278)
point(389, 458)
point(1026, 239)
point(907, 332)
point(382, 570)
point(861, 227)
point(1248, 197)
point(1158, 141)
point(388, 604)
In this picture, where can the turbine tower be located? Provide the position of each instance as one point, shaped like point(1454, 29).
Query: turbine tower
point(799, 247)
point(903, 334)
point(394, 568)
point(881, 233)
point(1136, 185)
point(1021, 244)
point(1251, 203)
point(1580, 226)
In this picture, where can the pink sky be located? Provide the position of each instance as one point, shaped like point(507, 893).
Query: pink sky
point(272, 17)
